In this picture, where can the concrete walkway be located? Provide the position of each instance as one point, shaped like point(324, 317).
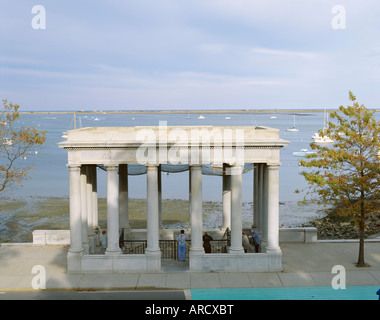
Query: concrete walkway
point(304, 265)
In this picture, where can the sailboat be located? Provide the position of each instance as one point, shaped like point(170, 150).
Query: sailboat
point(64, 134)
point(201, 117)
point(317, 137)
point(293, 129)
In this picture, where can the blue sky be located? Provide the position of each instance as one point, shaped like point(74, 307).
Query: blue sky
point(189, 54)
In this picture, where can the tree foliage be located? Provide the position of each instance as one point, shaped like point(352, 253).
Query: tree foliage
point(15, 142)
point(346, 174)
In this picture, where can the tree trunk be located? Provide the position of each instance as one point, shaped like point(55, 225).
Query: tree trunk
point(361, 262)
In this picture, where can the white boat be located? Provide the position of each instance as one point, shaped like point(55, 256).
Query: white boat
point(302, 153)
point(7, 142)
point(317, 137)
point(293, 129)
point(227, 118)
point(201, 117)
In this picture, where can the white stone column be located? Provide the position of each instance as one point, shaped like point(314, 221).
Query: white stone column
point(95, 217)
point(76, 247)
point(123, 196)
point(226, 215)
point(190, 210)
point(159, 185)
point(264, 216)
point(260, 192)
point(90, 214)
point(236, 209)
point(273, 208)
point(83, 207)
point(196, 209)
point(255, 195)
point(152, 211)
point(112, 211)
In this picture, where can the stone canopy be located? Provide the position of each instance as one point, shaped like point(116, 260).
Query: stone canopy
point(225, 151)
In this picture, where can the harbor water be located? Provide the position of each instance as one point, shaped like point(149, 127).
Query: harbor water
point(49, 180)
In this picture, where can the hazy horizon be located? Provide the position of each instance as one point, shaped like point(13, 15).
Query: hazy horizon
point(189, 55)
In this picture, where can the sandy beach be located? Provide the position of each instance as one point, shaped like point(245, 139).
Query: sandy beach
point(20, 217)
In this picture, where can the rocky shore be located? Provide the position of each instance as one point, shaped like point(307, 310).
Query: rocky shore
point(333, 226)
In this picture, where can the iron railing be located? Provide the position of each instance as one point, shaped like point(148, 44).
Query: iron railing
point(169, 248)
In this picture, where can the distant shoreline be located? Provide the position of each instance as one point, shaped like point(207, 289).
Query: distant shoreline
point(181, 111)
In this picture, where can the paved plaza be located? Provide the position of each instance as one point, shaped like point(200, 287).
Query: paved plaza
point(304, 265)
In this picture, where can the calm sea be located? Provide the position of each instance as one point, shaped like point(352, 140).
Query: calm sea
point(51, 179)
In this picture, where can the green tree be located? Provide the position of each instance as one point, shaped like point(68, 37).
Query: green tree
point(15, 141)
point(346, 174)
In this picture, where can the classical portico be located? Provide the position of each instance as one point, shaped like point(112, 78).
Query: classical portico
point(227, 150)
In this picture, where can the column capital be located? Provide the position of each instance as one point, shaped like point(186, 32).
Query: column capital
point(111, 167)
point(151, 165)
point(195, 166)
point(234, 170)
point(73, 166)
point(273, 166)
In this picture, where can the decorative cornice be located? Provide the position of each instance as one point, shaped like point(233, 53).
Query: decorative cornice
point(86, 148)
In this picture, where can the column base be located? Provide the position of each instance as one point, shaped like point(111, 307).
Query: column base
point(154, 251)
point(196, 260)
point(236, 250)
point(273, 249)
point(153, 260)
point(74, 261)
point(113, 252)
point(197, 251)
point(86, 247)
point(91, 243)
point(75, 253)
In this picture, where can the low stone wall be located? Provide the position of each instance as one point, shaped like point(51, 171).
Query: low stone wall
point(62, 237)
point(136, 263)
point(244, 262)
point(299, 235)
point(51, 237)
